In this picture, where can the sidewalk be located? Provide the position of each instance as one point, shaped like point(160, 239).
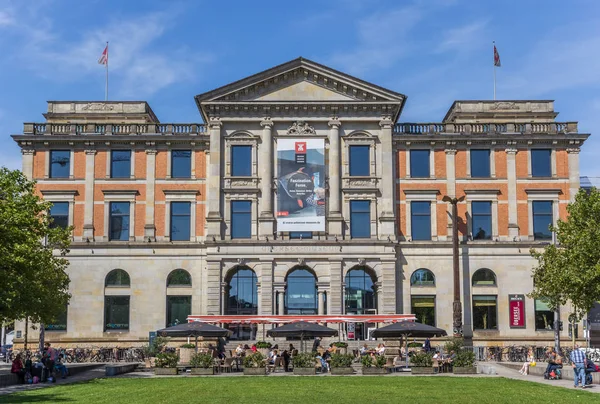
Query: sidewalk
point(514, 374)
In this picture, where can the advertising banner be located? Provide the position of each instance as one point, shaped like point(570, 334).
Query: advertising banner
point(301, 185)
point(516, 310)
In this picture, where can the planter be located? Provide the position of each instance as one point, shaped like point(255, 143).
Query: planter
point(421, 370)
point(165, 371)
point(150, 362)
point(342, 371)
point(255, 371)
point(203, 371)
point(374, 371)
point(264, 351)
point(466, 370)
point(305, 371)
point(185, 354)
point(343, 351)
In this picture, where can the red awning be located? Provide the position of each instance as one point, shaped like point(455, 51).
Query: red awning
point(373, 318)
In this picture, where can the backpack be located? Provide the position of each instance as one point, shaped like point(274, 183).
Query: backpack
point(36, 380)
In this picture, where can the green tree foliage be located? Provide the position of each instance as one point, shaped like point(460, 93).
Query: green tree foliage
point(32, 263)
point(570, 271)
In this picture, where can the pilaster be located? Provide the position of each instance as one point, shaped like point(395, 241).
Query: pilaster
point(27, 162)
point(387, 215)
point(266, 296)
point(214, 218)
point(88, 209)
point(265, 167)
point(211, 296)
point(335, 299)
point(450, 182)
point(388, 287)
point(511, 173)
point(334, 219)
point(149, 227)
point(573, 156)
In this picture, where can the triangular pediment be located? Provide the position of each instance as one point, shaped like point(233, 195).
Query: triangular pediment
point(303, 91)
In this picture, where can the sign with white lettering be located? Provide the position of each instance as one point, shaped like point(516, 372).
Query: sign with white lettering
point(300, 185)
point(516, 310)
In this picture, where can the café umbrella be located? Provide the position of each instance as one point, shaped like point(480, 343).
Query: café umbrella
point(302, 330)
point(405, 329)
point(194, 329)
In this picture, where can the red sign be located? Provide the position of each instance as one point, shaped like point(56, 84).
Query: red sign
point(301, 147)
point(516, 311)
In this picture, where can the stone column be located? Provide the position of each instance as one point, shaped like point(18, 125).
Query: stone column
point(450, 184)
point(388, 287)
point(281, 301)
point(149, 227)
point(336, 293)
point(214, 218)
point(335, 219)
point(265, 170)
point(88, 209)
point(387, 212)
point(27, 163)
point(573, 155)
point(320, 302)
point(511, 173)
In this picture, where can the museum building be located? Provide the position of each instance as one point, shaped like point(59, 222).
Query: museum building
point(302, 192)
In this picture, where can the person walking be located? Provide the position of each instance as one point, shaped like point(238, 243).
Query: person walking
point(579, 362)
point(316, 344)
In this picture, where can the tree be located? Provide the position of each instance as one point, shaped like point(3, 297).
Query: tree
point(35, 284)
point(570, 270)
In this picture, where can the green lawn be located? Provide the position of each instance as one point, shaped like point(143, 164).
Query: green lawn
point(313, 390)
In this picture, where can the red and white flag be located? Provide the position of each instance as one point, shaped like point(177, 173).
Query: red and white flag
point(496, 57)
point(104, 58)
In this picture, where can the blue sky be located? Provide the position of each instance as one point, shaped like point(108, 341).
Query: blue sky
point(166, 52)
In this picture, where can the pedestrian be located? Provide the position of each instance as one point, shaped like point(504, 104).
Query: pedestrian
point(17, 368)
point(50, 359)
point(316, 344)
point(579, 362)
point(427, 345)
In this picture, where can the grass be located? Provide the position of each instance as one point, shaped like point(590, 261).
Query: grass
point(327, 390)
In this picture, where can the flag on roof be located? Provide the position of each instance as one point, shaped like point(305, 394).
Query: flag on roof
point(104, 58)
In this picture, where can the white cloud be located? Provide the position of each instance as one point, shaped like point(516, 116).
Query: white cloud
point(6, 18)
point(461, 39)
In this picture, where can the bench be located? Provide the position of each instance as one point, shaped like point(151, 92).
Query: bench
point(120, 368)
point(567, 371)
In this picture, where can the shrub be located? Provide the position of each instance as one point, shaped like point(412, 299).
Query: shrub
point(380, 361)
point(464, 358)
point(339, 344)
point(254, 360)
point(201, 360)
point(263, 344)
point(157, 346)
point(341, 360)
point(415, 345)
point(188, 346)
point(454, 344)
point(367, 361)
point(304, 360)
point(422, 359)
point(166, 360)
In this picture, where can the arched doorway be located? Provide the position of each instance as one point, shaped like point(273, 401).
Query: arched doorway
point(241, 299)
point(301, 292)
point(360, 298)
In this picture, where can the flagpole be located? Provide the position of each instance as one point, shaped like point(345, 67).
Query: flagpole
point(106, 89)
point(494, 45)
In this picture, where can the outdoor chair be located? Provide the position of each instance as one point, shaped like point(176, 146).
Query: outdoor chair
point(272, 367)
point(227, 365)
point(389, 365)
point(436, 366)
point(318, 366)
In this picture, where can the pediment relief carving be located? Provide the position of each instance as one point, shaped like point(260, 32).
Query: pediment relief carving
point(301, 128)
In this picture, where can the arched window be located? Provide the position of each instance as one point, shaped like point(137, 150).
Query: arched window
point(242, 293)
point(179, 277)
point(361, 297)
point(484, 277)
point(301, 292)
point(422, 277)
point(117, 278)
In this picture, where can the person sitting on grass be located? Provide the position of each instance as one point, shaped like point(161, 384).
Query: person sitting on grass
point(60, 367)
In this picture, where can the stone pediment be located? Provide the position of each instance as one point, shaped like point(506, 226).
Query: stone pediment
point(304, 91)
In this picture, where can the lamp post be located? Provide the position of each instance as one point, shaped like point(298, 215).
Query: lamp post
point(456, 305)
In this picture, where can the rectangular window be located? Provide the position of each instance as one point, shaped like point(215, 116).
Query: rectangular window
point(120, 164)
point(301, 235)
point(59, 212)
point(544, 316)
point(423, 307)
point(481, 216)
point(180, 221)
point(181, 164)
point(485, 313)
point(59, 323)
point(420, 220)
point(119, 221)
point(419, 163)
point(178, 309)
point(359, 161)
point(480, 163)
point(542, 220)
point(360, 219)
point(116, 313)
point(241, 161)
point(541, 163)
point(60, 163)
point(241, 219)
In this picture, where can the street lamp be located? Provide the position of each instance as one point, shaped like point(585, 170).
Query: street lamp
point(456, 305)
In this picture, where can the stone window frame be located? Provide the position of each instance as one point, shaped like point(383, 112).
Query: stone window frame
point(421, 195)
point(108, 175)
point(360, 196)
point(359, 138)
point(420, 146)
point(241, 196)
point(552, 161)
point(482, 195)
point(119, 196)
point(538, 194)
point(180, 195)
point(116, 291)
point(492, 161)
point(49, 162)
point(52, 195)
point(241, 138)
